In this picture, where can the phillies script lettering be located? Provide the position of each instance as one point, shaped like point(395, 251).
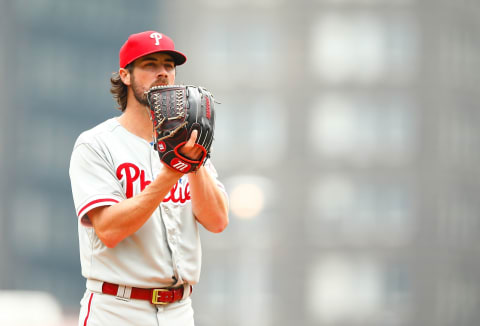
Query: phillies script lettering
point(133, 175)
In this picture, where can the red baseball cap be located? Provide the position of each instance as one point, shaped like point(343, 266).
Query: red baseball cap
point(138, 45)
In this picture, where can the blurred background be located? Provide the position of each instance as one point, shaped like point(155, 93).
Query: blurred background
point(347, 138)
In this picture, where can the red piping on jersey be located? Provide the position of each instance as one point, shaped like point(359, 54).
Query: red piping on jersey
point(88, 311)
point(94, 202)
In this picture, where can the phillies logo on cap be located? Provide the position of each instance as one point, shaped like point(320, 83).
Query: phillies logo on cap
point(157, 37)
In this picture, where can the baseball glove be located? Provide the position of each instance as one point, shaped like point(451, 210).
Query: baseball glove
point(176, 111)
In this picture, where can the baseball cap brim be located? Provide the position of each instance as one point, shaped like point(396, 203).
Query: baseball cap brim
point(178, 57)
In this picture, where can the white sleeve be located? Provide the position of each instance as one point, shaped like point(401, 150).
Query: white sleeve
point(93, 180)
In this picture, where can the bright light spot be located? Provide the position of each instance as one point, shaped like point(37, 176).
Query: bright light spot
point(345, 289)
point(247, 200)
point(335, 125)
point(348, 47)
point(43, 308)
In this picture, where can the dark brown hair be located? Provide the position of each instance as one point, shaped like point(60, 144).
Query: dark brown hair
point(119, 89)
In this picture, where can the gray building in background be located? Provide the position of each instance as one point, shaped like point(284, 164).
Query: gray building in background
point(347, 138)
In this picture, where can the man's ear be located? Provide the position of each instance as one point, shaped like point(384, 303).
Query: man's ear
point(125, 76)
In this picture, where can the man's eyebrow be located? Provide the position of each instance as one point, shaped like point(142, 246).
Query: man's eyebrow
point(153, 58)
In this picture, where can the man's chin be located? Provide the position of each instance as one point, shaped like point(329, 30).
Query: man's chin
point(142, 99)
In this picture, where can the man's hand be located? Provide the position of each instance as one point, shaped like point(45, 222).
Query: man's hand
point(177, 111)
point(190, 150)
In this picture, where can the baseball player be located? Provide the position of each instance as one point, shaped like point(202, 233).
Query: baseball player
point(137, 218)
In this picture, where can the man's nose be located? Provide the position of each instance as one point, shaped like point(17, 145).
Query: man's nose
point(162, 71)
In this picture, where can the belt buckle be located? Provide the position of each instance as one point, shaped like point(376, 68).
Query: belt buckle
point(156, 295)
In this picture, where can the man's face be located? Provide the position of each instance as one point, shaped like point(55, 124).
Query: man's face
point(151, 70)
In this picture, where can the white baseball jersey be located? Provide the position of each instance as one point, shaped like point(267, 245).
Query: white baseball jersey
point(109, 164)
